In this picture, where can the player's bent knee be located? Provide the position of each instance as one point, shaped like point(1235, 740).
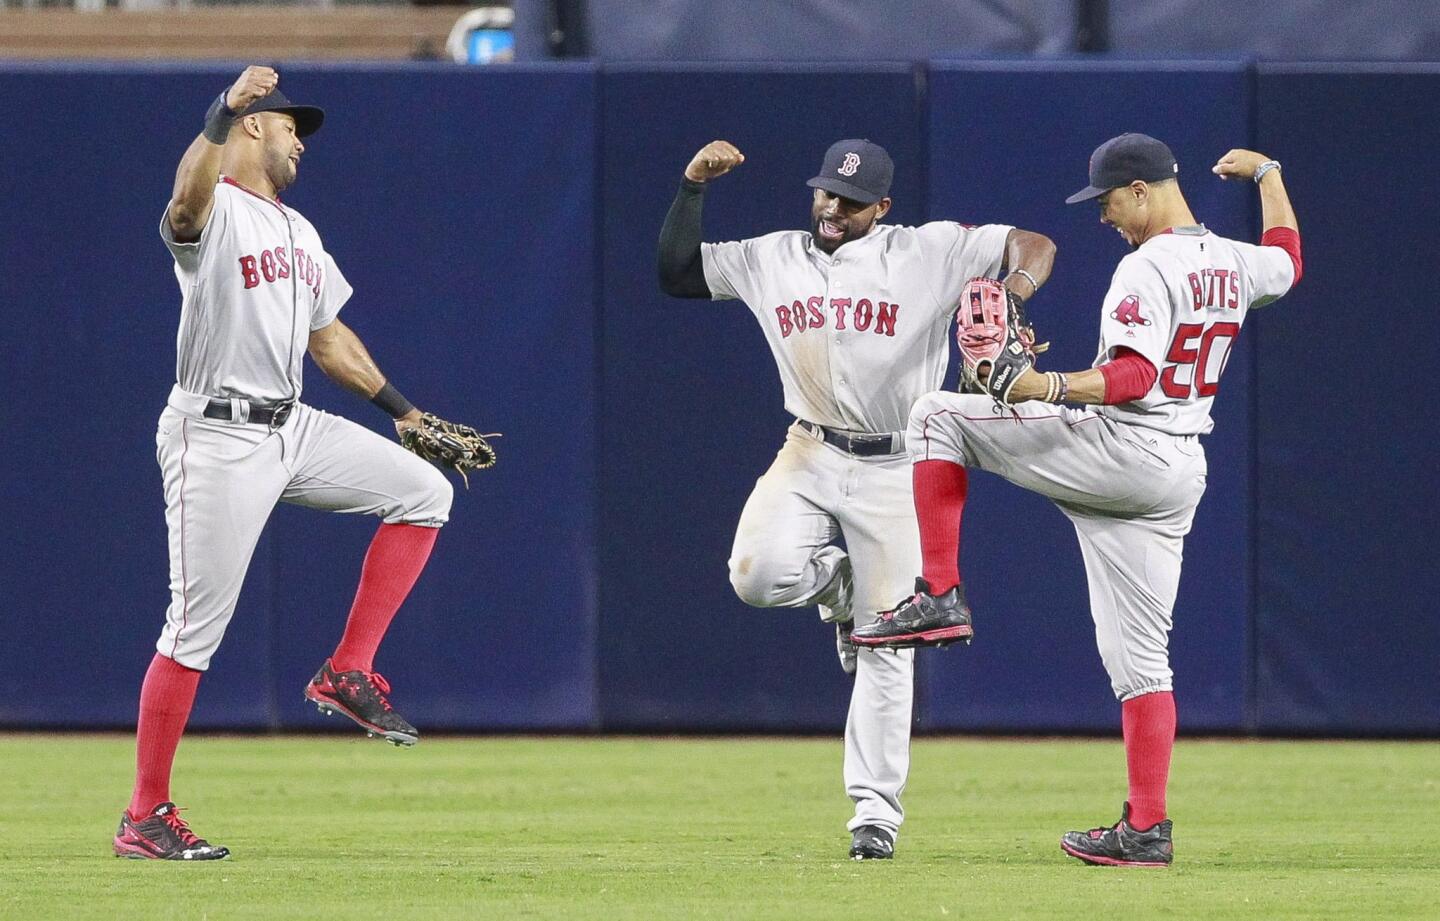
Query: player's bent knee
point(761, 584)
point(427, 501)
point(748, 587)
point(441, 495)
point(934, 428)
point(925, 407)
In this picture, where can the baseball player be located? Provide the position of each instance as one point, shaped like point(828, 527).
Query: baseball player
point(856, 313)
point(259, 291)
point(1129, 472)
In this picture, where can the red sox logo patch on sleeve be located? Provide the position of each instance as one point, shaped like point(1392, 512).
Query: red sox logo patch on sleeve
point(1129, 312)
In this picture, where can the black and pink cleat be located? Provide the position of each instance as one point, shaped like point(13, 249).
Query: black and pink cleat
point(163, 835)
point(1122, 844)
point(923, 619)
point(360, 696)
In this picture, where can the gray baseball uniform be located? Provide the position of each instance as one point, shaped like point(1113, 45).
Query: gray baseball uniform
point(255, 285)
point(857, 336)
point(1128, 476)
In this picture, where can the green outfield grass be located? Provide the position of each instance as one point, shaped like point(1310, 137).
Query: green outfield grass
point(345, 828)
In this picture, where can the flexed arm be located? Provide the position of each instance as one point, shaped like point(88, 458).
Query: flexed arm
point(1275, 208)
point(682, 274)
point(1282, 229)
point(1029, 258)
point(194, 193)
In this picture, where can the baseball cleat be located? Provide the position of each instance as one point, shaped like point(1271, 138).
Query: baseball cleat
point(360, 696)
point(922, 619)
point(1122, 844)
point(163, 835)
point(871, 842)
point(845, 647)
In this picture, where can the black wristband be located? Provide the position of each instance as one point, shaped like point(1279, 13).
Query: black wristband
point(390, 400)
point(218, 120)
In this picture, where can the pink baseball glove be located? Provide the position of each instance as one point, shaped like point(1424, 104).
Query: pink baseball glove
point(996, 344)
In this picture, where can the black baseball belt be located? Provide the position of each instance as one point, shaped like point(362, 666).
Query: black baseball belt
point(271, 414)
point(860, 444)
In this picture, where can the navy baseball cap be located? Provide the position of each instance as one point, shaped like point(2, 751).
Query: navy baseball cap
point(307, 118)
point(1124, 159)
point(856, 169)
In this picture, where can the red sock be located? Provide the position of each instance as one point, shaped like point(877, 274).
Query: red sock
point(165, 701)
point(940, 488)
point(396, 556)
point(1149, 722)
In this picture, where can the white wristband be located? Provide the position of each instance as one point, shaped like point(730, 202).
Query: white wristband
point(1034, 285)
point(1264, 168)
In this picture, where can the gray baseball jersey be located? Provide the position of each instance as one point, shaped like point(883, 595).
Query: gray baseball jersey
point(1180, 300)
point(1128, 476)
point(254, 286)
point(858, 336)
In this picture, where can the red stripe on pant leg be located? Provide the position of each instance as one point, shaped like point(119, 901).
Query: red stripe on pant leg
point(165, 701)
point(1149, 723)
point(392, 564)
point(940, 489)
point(184, 580)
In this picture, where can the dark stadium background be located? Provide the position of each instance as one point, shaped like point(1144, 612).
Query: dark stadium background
point(498, 224)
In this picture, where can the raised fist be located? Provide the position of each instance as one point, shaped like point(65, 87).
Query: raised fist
point(1238, 164)
point(255, 83)
point(714, 159)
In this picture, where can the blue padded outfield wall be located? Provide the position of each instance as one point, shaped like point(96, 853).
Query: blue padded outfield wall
point(1040, 626)
point(499, 228)
point(1348, 588)
point(480, 302)
point(691, 406)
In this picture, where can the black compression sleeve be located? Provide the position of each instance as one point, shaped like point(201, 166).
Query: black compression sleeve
point(682, 272)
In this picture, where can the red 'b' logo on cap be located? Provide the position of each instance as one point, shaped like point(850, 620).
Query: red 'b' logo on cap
point(1129, 312)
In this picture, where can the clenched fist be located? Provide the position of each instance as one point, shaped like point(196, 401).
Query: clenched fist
point(1238, 164)
point(255, 83)
point(714, 159)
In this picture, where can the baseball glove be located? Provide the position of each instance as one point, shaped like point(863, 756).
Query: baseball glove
point(450, 444)
point(993, 334)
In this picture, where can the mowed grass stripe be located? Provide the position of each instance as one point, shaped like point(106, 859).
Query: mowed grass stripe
point(714, 828)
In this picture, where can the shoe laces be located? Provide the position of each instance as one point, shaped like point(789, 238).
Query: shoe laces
point(381, 686)
point(890, 614)
point(178, 826)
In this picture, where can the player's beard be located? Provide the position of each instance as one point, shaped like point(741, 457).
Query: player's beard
point(827, 245)
point(280, 170)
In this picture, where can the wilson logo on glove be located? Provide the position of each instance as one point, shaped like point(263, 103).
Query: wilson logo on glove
point(996, 344)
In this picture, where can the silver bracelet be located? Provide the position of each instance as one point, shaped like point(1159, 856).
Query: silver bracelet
point(1034, 285)
point(1264, 168)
